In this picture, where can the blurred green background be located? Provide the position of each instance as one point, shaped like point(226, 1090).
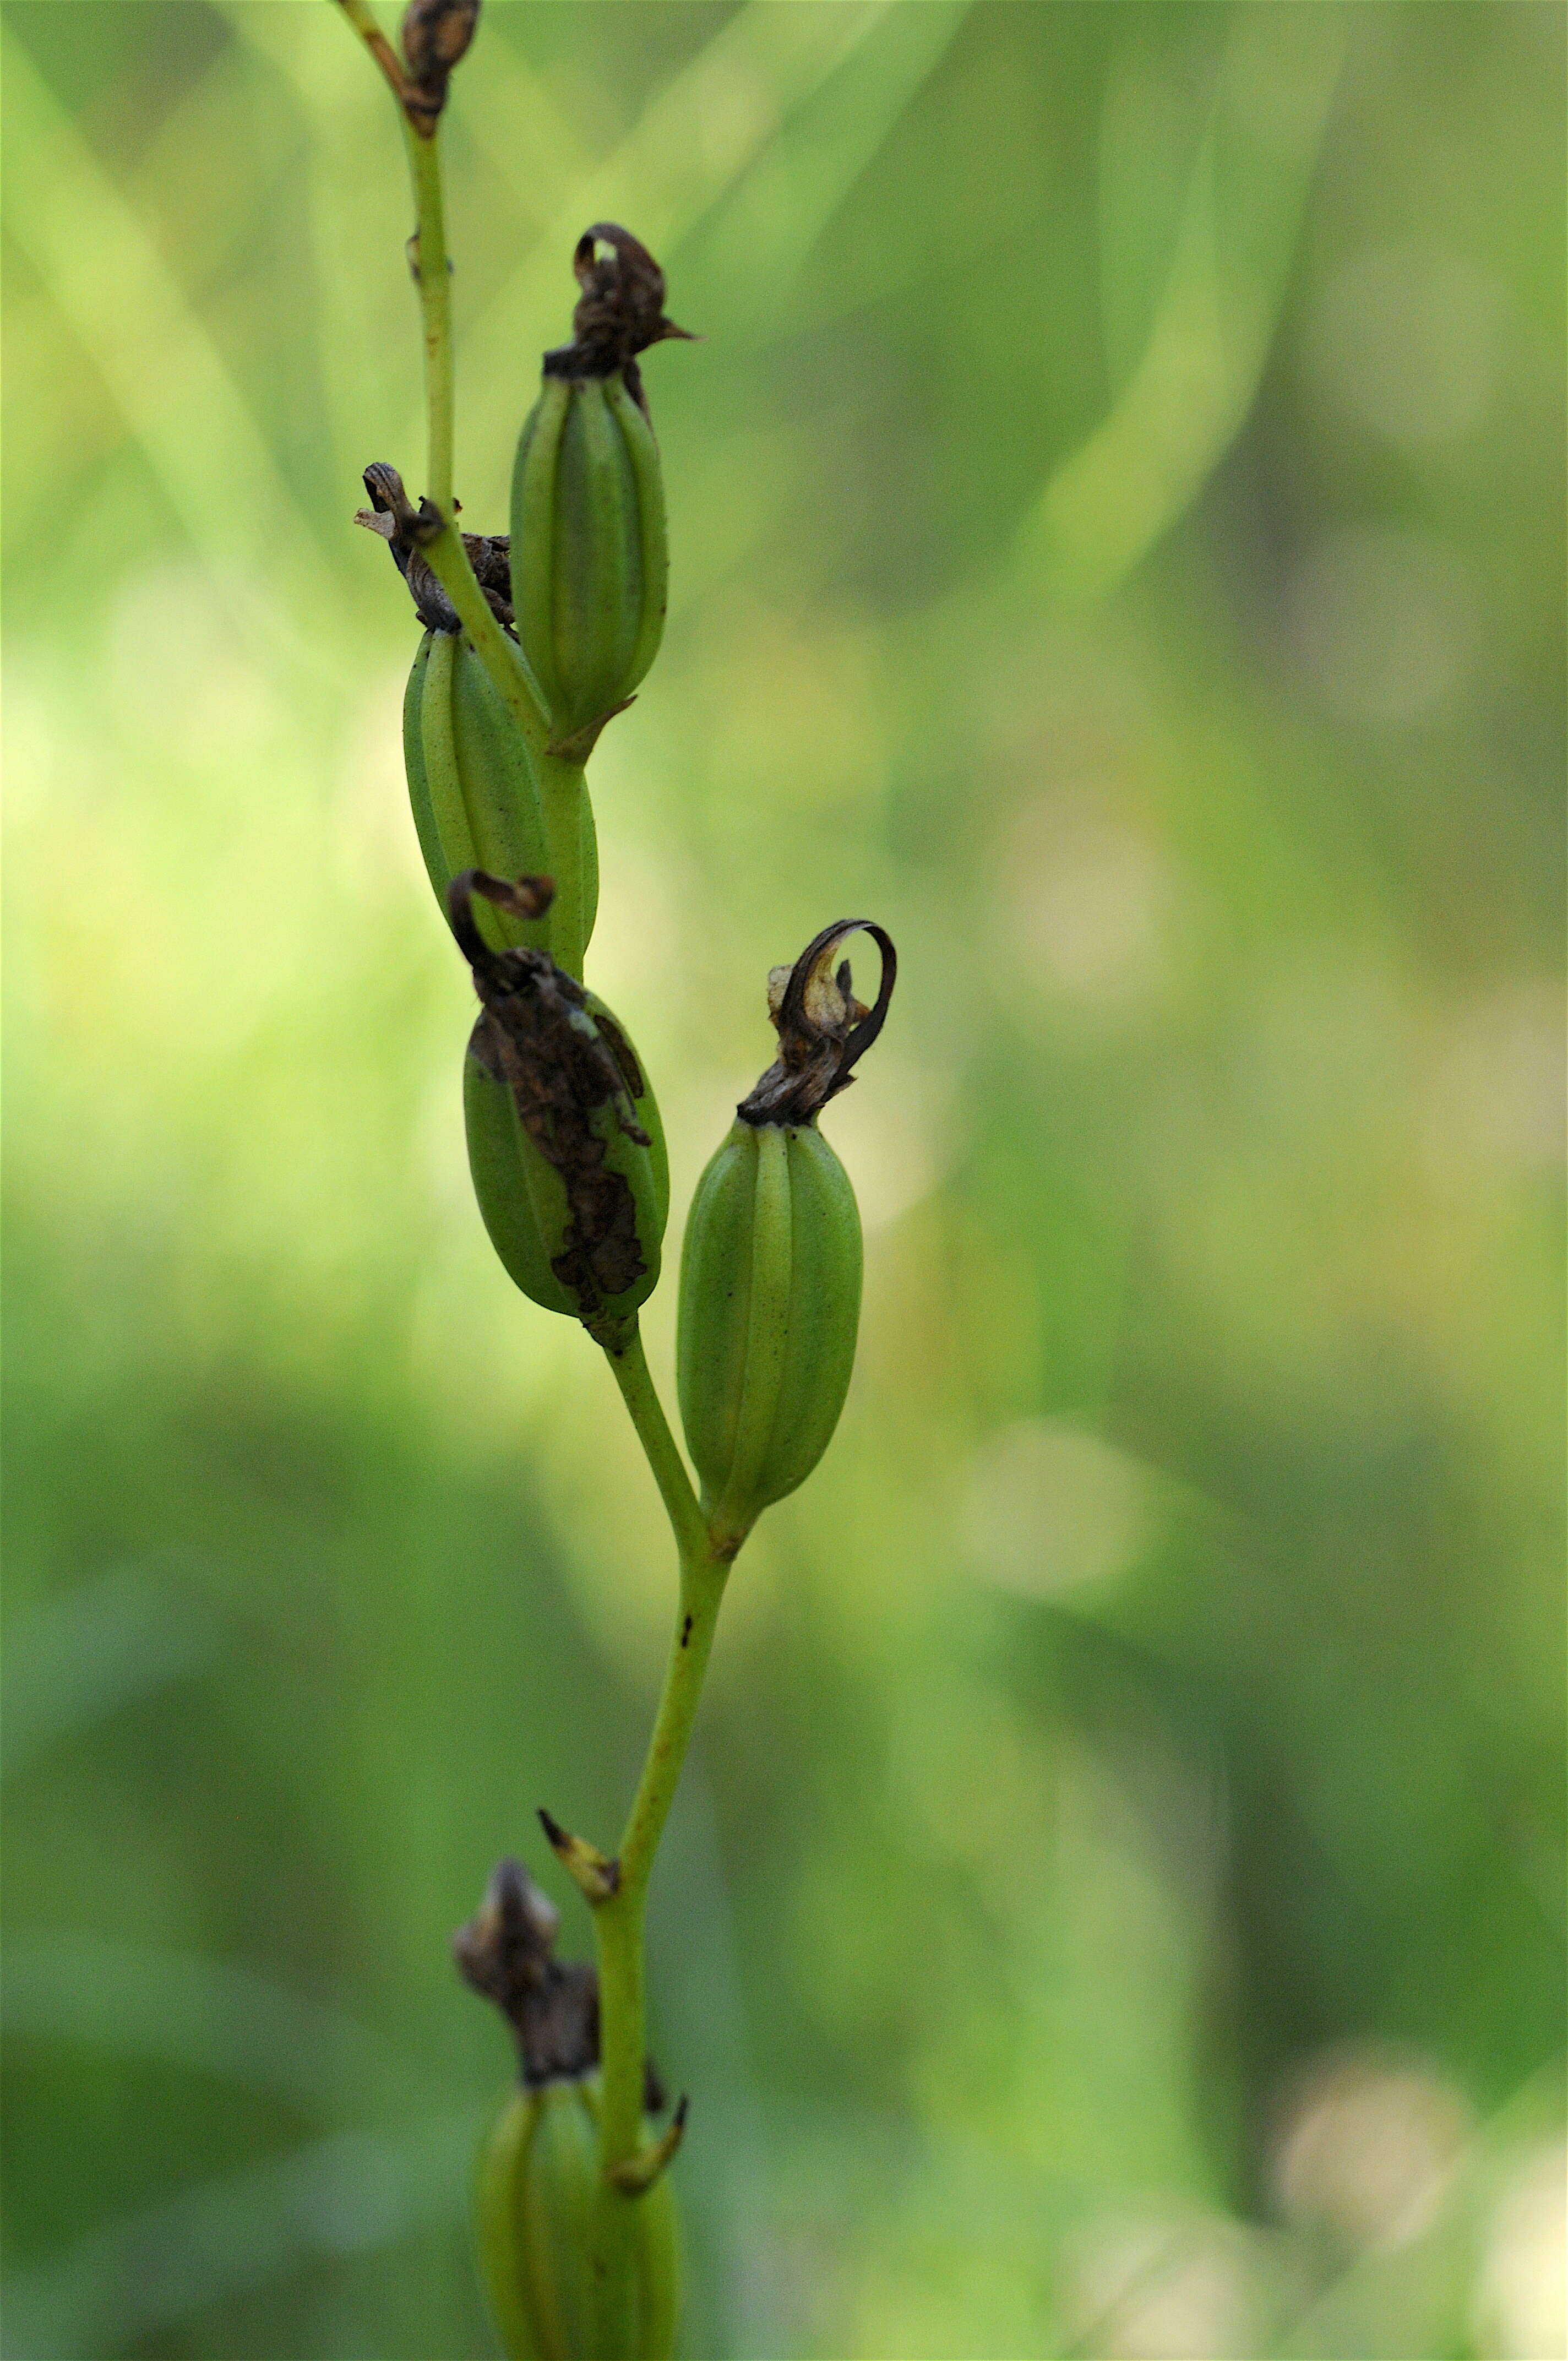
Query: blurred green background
point(1117, 522)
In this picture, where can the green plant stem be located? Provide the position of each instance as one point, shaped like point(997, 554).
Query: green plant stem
point(647, 1414)
point(618, 1923)
point(363, 23)
point(429, 258)
point(433, 277)
point(560, 780)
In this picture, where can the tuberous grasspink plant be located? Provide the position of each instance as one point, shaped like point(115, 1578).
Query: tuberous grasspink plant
point(533, 641)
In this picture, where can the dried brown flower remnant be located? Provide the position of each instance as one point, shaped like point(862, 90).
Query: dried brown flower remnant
point(823, 1029)
point(506, 1952)
point(619, 313)
point(436, 34)
point(393, 515)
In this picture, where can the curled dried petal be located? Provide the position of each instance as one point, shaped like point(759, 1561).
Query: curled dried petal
point(823, 1029)
point(620, 311)
point(402, 527)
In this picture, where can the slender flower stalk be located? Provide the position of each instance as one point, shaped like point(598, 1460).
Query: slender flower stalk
point(418, 113)
point(432, 276)
point(663, 1454)
point(620, 1929)
point(619, 1919)
point(567, 1155)
point(439, 541)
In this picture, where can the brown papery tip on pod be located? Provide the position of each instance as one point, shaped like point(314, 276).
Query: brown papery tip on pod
point(620, 311)
point(521, 898)
point(823, 1029)
point(436, 34)
point(506, 1952)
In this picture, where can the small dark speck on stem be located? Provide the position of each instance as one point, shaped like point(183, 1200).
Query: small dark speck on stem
point(686, 1630)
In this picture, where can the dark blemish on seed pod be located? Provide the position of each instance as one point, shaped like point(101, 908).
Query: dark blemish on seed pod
point(562, 1068)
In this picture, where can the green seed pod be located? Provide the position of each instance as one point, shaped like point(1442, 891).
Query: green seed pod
point(565, 1142)
point(770, 1268)
point(538, 2183)
point(589, 554)
point(476, 799)
point(474, 786)
point(770, 1303)
point(537, 2186)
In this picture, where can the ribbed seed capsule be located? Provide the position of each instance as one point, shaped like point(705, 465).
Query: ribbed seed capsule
point(538, 2181)
point(477, 802)
point(590, 554)
point(589, 513)
point(481, 799)
point(537, 2185)
point(770, 1305)
point(770, 1268)
point(565, 1143)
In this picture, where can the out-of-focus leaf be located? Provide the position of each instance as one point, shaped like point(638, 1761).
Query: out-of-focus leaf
point(77, 1659)
point(1107, 504)
point(353, 2194)
point(209, 2015)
